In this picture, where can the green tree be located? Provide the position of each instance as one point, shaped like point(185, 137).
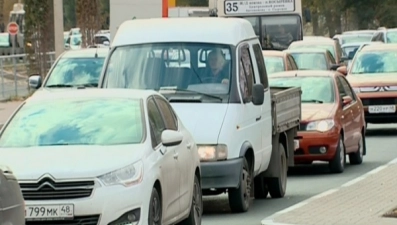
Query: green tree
point(39, 32)
point(69, 14)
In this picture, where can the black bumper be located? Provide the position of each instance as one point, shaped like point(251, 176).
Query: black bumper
point(381, 118)
point(221, 174)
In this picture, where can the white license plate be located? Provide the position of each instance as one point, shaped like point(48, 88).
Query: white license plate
point(296, 144)
point(49, 212)
point(382, 109)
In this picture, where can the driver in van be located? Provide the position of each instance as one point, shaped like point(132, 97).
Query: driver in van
point(283, 37)
point(216, 71)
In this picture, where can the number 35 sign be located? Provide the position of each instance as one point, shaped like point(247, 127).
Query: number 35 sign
point(258, 6)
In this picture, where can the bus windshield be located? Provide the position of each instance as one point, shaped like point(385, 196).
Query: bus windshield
point(277, 32)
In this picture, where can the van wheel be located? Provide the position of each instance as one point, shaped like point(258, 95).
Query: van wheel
point(196, 210)
point(356, 158)
point(260, 188)
point(155, 211)
point(337, 165)
point(278, 185)
point(239, 198)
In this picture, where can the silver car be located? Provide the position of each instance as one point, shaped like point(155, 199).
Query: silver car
point(12, 209)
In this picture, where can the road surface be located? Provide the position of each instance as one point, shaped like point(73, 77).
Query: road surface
point(307, 181)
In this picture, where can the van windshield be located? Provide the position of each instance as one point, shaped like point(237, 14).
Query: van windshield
point(194, 67)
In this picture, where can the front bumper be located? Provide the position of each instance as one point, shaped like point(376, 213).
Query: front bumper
point(221, 174)
point(105, 205)
point(310, 144)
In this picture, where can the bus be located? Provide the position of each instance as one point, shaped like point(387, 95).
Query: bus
point(276, 22)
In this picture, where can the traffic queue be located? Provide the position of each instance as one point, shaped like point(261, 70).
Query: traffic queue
point(139, 135)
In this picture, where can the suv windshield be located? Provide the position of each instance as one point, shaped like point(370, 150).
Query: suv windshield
point(329, 47)
point(314, 89)
point(353, 38)
point(75, 72)
point(77, 121)
point(277, 32)
point(274, 64)
point(310, 61)
point(375, 62)
point(195, 67)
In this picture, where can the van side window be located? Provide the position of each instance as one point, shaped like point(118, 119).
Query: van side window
point(261, 65)
point(246, 73)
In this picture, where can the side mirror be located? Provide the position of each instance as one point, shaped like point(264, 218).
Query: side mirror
point(258, 95)
point(334, 66)
point(346, 100)
point(35, 81)
point(344, 59)
point(342, 70)
point(106, 43)
point(171, 138)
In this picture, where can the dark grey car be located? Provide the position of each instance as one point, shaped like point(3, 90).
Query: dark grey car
point(12, 209)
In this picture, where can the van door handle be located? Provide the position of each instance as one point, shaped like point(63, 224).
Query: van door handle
point(258, 118)
point(176, 155)
point(189, 145)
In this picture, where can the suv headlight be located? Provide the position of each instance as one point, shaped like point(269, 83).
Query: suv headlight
point(212, 152)
point(127, 176)
point(321, 125)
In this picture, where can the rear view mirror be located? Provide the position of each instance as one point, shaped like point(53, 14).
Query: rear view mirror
point(258, 95)
point(106, 43)
point(174, 55)
point(35, 81)
point(342, 70)
point(346, 100)
point(171, 138)
point(344, 59)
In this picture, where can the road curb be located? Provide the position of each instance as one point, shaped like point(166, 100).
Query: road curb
point(270, 219)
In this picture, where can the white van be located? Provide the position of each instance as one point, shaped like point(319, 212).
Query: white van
point(243, 129)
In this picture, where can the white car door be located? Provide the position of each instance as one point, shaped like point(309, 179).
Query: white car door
point(251, 122)
point(183, 153)
point(168, 166)
point(266, 119)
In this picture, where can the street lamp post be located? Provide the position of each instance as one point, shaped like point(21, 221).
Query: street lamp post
point(58, 27)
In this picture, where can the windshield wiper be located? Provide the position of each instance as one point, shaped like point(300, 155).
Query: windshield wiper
point(313, 100)
point(60, 85)
point(63, 143)
point(189, 91)
point(88, 85)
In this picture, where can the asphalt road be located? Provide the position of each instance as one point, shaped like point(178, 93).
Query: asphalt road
point(307, 181)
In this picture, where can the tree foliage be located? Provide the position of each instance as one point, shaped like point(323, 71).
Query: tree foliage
point(39, 33)
point(89, 19)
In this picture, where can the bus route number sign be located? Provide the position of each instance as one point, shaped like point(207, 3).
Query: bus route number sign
point(258, 6)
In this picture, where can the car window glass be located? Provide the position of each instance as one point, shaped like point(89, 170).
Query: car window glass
point(76, 121)
point(274, 64)
point(261, 65)
point(346, 87)
point(155, 120)
point(76, 71)
point(246, 74)
point(168, 115)
point(289, 66)
point(293, 63)
point(341, 89)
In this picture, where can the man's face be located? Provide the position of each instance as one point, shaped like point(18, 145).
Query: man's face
point(215, 61)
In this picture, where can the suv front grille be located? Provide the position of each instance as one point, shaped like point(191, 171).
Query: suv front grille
point(77, 220)
point(379, 101)
point(48, 189)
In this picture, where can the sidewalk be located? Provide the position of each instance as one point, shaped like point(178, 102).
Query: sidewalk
point(361, 201)
point(6, 110)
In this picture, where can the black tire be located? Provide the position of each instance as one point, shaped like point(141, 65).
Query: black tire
point(356, 158)
point(278, 185)
point(260, 188)
point(196, 209)
point(239, 198)
point(155, 209)
point(337, 164)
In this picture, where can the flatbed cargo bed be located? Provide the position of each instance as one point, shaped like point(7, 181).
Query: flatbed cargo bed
point(286, 108)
